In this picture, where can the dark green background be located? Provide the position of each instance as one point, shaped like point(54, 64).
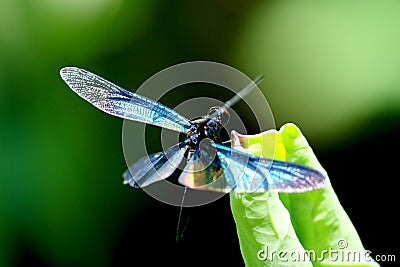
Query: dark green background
point(331, 67)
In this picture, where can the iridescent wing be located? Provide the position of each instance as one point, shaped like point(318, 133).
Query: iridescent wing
point(119, 102)
point(232, 170)
point(155, 167)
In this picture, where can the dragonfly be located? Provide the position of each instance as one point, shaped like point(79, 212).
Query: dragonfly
point(210, 164)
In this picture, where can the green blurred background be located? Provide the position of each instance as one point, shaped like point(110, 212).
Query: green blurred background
point(331, 67)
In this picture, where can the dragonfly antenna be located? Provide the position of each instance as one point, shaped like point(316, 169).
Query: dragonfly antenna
point(241, 94)
point(178, 234)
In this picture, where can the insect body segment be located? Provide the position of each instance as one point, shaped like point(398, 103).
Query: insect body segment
point(204, 128)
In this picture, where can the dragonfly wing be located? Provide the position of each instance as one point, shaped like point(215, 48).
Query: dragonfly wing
point(214, 171)
point(199, 171)
point(232, 170)
point(119, 102)
point(155, 167)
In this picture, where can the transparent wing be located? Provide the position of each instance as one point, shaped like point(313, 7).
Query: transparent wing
point(232, 170)
point(119, 102)
point(154, 167)
point(203, 172)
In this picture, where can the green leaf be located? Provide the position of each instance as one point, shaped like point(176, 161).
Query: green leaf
point(312, 221)
point(263, 223)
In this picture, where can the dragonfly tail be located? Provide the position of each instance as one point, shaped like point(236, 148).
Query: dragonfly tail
point(179, 232)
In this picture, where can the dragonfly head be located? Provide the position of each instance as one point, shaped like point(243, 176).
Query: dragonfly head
point(218, 114)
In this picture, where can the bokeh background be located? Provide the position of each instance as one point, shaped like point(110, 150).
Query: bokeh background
point(331, 67)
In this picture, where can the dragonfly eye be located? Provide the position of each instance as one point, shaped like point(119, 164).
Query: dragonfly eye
point(220, 114)
point(212, 110)
point(225, 118)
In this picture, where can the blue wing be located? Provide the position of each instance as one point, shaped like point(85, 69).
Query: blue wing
point(119, 102)
point(232, 170)
point(155, 167)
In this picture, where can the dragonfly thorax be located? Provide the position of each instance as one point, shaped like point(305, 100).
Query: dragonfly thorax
point(203, 128)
